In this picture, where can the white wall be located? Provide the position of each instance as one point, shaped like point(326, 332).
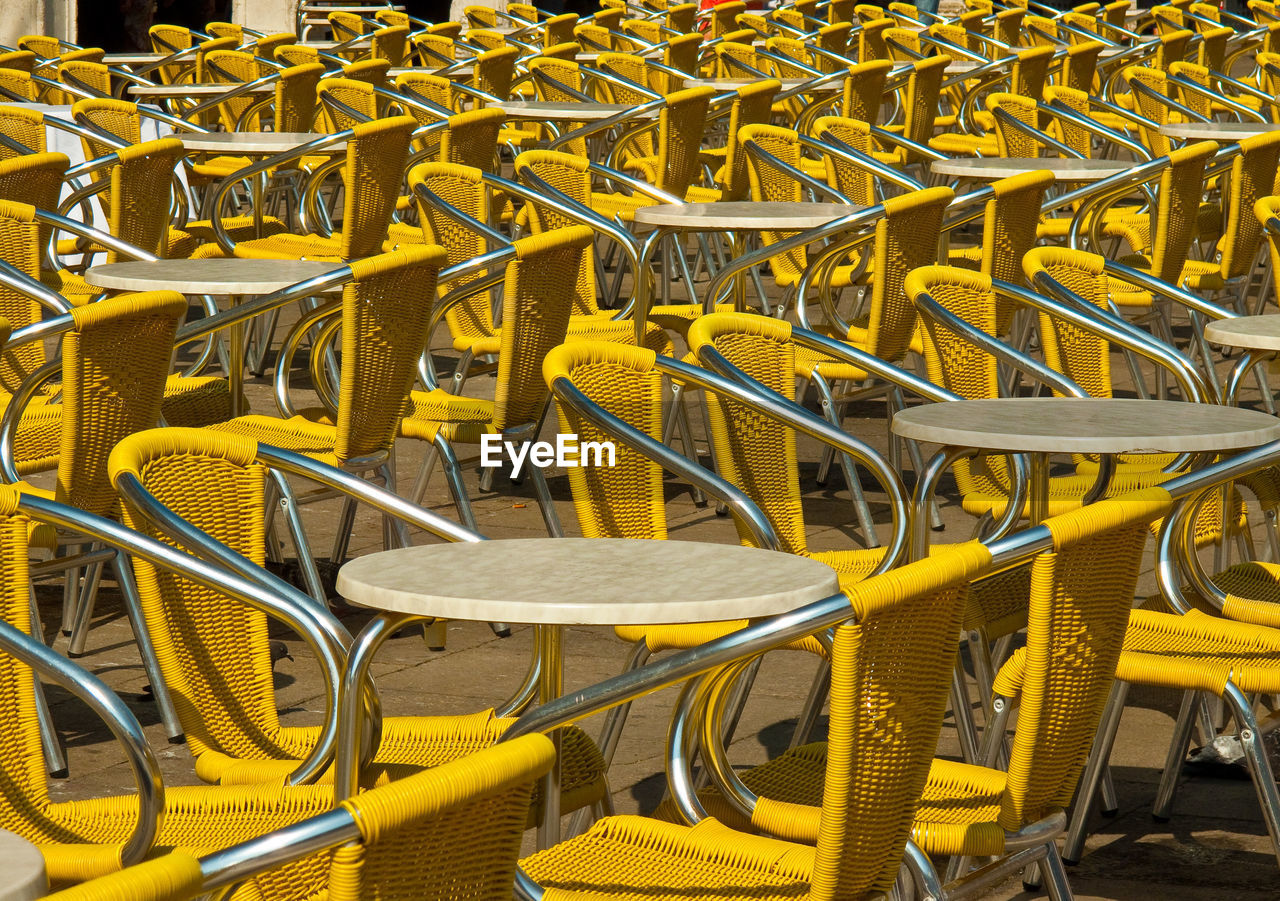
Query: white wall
point(53, 17)
point(268, 16)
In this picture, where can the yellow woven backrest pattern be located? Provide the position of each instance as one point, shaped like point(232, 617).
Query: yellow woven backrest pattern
point(1253, 175)
point(890, 672)
point(1181, 189)
point(371, 71)
point(296, 55)
point(1081, 593)
point(537, 300)
point(202, 54)
point(1030, 69)
point(906, 238)
point(552, 76)
point(140, 188)
point(26, 126)
point(680, 127)
point(1008, 26)
point(559, 29)
point(391, 44)
point(1172, 48)
point(752, 106)
point(923, 87)
point(19, 84)
point(724, 17)
point(770, 183)
point(863, 91)
point(840, 11)
point(754, 452)
point(19, 247)
point(904, 37)
point(1198, 75)
point(463, 189)
point(265, 48)
point(1266, 209)
point(951, 361)
point(452, 831)
point(569, 174)
point(682, 52)
point(1212, 52)
point(24, 789)
point(386, 309)
point(296, 97)
point(213, 650)
point(471, 138)
point(77, 72)
point(1081, 356)
point(1012, 141)
point(358, 96)
point(481, 16)
point(833, 39)
point(374, 170)
point(1150, 106)
point(494, 70)
point(346, 25)
point(853, 181)
point(40, 44)
point(1006, 233)
point(114, 365)
point(225, 30)
point(871, 40)
point(624, 500)
point(35, 179)
point(173, 877)
point(1075, 137)
point(236, 67)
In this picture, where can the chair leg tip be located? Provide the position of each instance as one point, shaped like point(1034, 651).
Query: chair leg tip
point(1110, 813)
point(1159, 819)
point(177, 739)
point(59, 774)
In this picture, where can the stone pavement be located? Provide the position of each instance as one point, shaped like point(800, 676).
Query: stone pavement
point(1215, 847)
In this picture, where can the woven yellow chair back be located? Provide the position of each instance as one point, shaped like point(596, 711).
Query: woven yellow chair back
point(769, 183)
point(1030, 70)
point(569, 174)
point(791, 56)
point(225, 30)
point(169, 39)
point(17, 86)
point(537, 300)
point(141, 184)
point(645, 32)
point(201, 73)
point(35, 179)
point(372, 71)
point(1011, 141)
point(833, 39)
point(356, 96)
point(592, 37)
point(1168, 19)
point(1008, 26)
point(1196, 74)
point(296, 55)
point(1172, 48)
point(920, 106)
point(494, 70)
point(756, 453)
point(906, 238)
point(724, 17)
point(1265, 210)
point(453, 831)
point(1253, 174)
point(890, 671)
point(25, 126)
point(683, 51)
point(842, 11)
point(680, 127)
point(115, 117)
point(790, 17)
point(391, 17)
point(853, 181)
point(627, 66)
point(20, 248)
point(463, 188)
point(372, 175)
point(559, 29)
point(1212, 50)
point(213, 650)
point(42, 45)
point(86, 74)
point(481, 16)
point(752, 106)
point(391, 44)
point(1006, 237)
point(489, 40)
point(265, 47)
point(552, 76)
point(730, 52)
point(237, 67)
point(1077, 138)
point(173, 877)
point(1269, 69)
point(18, 61)
point(114, 365)
point(346, 25)
point(872, 44)
point(1043, 31)
point(386, 309)
point(1081, 356)
point(471, 138)
point(868, 11)
point(624, 500)
point(435, 88)
point(1081, 593)
point(1173, 225)
point(862, 94)
point(295, 108)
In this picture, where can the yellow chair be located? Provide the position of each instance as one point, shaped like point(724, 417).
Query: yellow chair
point(451, 833)
point(214, 652)
point(890, 670)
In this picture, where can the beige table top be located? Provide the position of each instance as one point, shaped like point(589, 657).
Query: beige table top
point(191, 90)
point(250, 142)
point(1086, 425)
point(1065, 169)
point(585, 581)
point(466, 70)
point(730, 84)
point(229, 276)
point(560, 110)
point(132, 59)
point(1217, 131)
point(1248, 332)
point(24, 873)
point(744, 215)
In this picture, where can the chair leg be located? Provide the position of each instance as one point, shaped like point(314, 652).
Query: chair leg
point(1177, 752)
point(923, 873)
point(860, 506)
point(818, 692)
point(616, 718)
point(549, 516)
point(965, 730)
point(55, 759)
point(1055, 874)
point(84, 606)
point(1087, 789)
point(453, 475)
point(1255, 758)
point(133, 607)
point(310, 574)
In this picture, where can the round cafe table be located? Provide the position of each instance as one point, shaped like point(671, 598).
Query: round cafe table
point(234, 278)
point(192, 91)
point(1042, 426)
point(991, 168)
point(1217, 131)
point(24, 874)
point(1259, 335)
point(560, 110)
point(556, 582)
